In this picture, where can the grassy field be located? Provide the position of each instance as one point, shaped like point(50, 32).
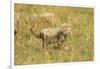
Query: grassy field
point(28, 49)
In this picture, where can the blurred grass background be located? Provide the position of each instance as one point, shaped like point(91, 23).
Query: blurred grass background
point(28, 49)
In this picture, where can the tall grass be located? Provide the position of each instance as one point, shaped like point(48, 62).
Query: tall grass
point(28, 49)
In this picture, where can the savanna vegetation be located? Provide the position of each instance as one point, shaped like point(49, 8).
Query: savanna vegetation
point(28, 49)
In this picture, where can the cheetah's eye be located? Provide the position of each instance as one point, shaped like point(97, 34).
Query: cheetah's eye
point(69, 29)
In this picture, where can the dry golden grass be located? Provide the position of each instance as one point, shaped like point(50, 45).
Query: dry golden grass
point(28, 49)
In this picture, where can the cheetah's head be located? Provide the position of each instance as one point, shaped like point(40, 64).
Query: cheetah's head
point(65, 29)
